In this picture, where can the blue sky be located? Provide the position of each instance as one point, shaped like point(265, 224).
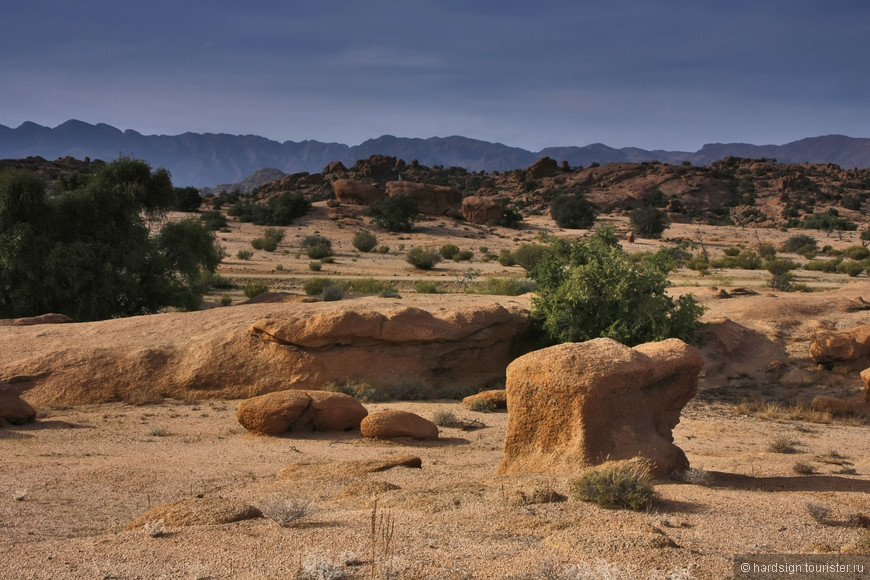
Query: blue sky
point(669, 74)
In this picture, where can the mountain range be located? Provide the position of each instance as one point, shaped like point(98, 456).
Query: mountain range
point(207, 159)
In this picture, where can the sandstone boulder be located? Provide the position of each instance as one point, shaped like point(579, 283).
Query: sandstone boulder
point(497, 398)
point(197, 512)
point(481, 210)
point(579, 404)
point(355, 468)
point(13, 409)
point(841, 346)
point(34, 320)
point(543, 167)
point(394, 423)
point(356, 192)
point(431, 199)
point(283, 411)
point(439, 342)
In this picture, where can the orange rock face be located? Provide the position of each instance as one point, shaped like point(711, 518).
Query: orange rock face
point(13, 409)
point(836, 346)
point(481, 210)
point(356, 192)
point(579, 404)
point(391, 423)
point(431, 199)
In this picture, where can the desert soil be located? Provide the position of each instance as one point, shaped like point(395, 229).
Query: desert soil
point(71, 482)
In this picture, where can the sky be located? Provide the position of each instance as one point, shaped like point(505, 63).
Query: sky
point(656, 74)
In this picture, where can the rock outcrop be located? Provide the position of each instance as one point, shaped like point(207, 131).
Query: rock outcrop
point(830, 346)
point(245, 351)
point(481, 210)
point(431, 199)
point(495, 398)
point(543, 167)
point(392, 423)
point(13, 409)
point(196, 512)
point(356, 192)
point(580, 404)
point(34, 320)
point(297, 411)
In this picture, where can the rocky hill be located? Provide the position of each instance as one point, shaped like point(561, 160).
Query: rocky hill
point(208, 159)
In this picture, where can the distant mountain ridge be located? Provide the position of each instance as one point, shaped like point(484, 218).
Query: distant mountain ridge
point(208, 159)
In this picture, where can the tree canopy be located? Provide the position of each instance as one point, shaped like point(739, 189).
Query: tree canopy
point(87, 252)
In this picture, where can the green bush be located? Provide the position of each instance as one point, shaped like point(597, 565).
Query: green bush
point(503, 287)
point(827, 266)
point(315, 286)
point(364, 241)
point(505, 258)
point(213, 220)
point(573, 212)
point(426, 287)
point(187, 199)
point(369, 286)
point(254, 288)
point(648, 221)
point(827, 221)
point(281, 210)
point(316, 247)
point(616, 485)
point(588, 289)
point(799, 244)
point(779, 266)
point(528, 255)
point(851, 268)
point(226, 300)
point(463, 255)
point(332, 292)
point(269, 245)
point(423, 258)
point(394, 213)
point(731, 251)
point(447, 251)
point(315, 266)
point(244, 254)
point(857, 253)
point(383, 249)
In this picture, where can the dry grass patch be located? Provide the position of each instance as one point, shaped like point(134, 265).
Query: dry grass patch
point(617, 484)
point(774, 411)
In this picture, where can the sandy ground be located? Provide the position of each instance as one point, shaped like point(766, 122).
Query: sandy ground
point(70, 483)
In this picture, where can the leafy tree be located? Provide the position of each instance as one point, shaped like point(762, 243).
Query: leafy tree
point(187, 199)
point(648, 221)
point(573, 212)
point(88, 252)
point(589, 289)
point(395, 213)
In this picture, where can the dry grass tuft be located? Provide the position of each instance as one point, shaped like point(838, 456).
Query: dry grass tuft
point(617, 484)
point(286, 511)
point(774, 411)
point(782, 444)
point(803, 468)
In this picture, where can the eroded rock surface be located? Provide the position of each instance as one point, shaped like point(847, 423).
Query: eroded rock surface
point(392, 423)
point(579, 404)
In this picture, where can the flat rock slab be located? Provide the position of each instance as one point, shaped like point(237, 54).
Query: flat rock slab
point(197, 512)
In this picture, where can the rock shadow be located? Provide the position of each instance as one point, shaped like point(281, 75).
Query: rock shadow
point(820, 483)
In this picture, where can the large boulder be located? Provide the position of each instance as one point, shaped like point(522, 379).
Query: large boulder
point(431, 199)
point(13, 409)
point(580, 404)
point(34, 320)
point(481, 210)
point(393, 423)
point(283, 411)
point(439, 342)
point(356, 192)
point(841, 346)
point(543, 167)
point(858, 405)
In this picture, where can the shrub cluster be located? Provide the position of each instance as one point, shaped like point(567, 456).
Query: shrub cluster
point(316, 247)
point(281, 210)
point(364, 241)
point(423, 258)
point(270, 240)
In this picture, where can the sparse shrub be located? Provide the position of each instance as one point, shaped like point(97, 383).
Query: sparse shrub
point(226, 300)
point(19, 495)
point(799, 244)
point(528, 255)
point(369, 286)
point(286, 511)
point(851, 268)
point(426, 287)
point(244, 254)
point(364, 241)
point(155, 529)
point(732, 251)
point(332, 293)
point(390, 293)
point(222, 282)
point(505, 258)
point(446, 419)
point(319, 568)
point(423, 258)
point(782, 444)
point(327, 260)
point(484, 249)
point(766, 251)
point(819, 513)
point(316, 247)
point(803, 468)
point(383, 249)
point(695, 476)
point(616, 485)
point(447, 251)
point(253, 288)
point(481, 406)
point(503, 287)
point(827, 266)
point(315, 286)
point(213, 220)
point(463, 255)
point(315, 266)
point(857, 253)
